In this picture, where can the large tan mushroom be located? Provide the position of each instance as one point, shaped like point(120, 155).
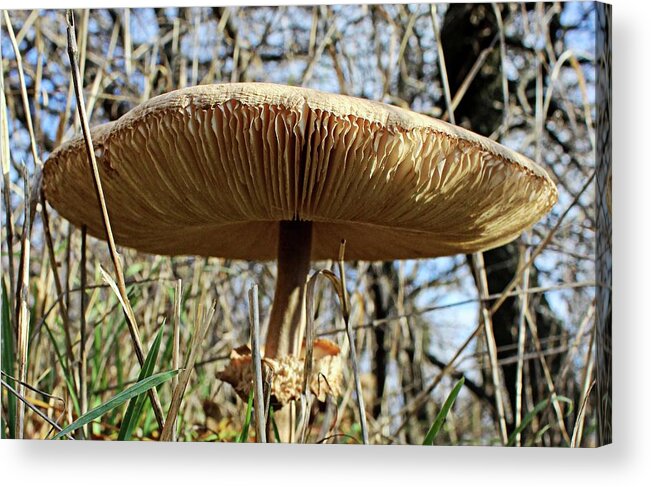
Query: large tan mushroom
point(259, 171)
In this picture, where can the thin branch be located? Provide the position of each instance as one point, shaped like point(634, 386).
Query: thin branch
point(26, 402)
point(90, 151)
point(256, 364)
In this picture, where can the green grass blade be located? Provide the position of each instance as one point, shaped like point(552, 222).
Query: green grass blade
point(8, 359)
point(67, 375)
point(136, 404)
point(119, 399)
point(274, 426)
point(244, 435)
point(532, 414)
point(440, 417)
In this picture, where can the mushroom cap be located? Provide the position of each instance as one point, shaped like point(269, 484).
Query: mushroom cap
point(210, 170)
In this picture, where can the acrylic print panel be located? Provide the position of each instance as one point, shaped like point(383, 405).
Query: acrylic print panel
point(245, 248)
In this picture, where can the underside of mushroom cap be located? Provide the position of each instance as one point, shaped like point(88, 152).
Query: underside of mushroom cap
point(211, 170)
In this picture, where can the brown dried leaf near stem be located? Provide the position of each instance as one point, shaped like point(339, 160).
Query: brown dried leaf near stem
point(286, 373)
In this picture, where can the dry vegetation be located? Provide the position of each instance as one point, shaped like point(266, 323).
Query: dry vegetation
point(522, 74)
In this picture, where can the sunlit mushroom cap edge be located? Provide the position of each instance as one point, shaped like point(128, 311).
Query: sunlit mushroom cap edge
point(210, 170)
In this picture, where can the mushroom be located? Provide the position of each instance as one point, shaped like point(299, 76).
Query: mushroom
point(259, 171)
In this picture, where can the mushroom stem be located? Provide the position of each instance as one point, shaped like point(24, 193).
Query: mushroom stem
point(287, 319)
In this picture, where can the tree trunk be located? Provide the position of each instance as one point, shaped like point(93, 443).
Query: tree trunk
point(467, 30)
